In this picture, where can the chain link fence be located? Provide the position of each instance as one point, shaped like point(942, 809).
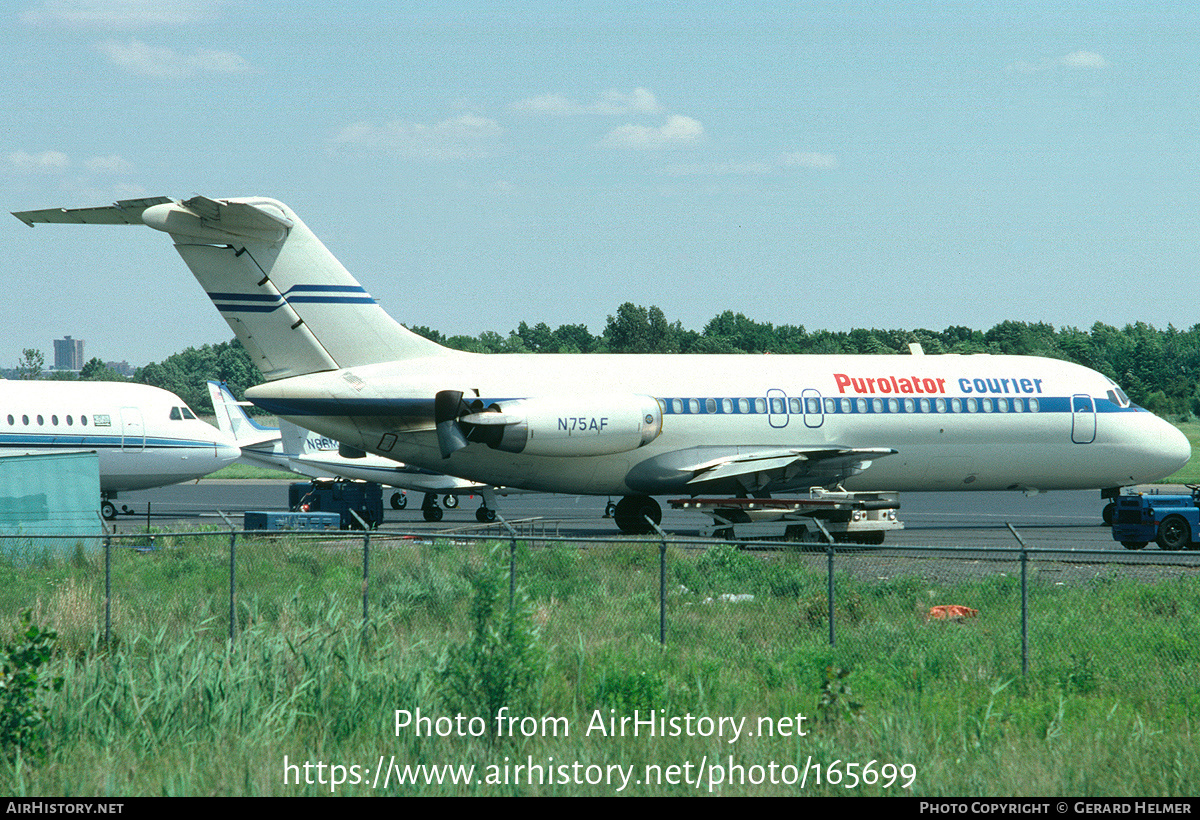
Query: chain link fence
point(1012, 607)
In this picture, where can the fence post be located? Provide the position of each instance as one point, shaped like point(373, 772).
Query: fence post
point(107, 589)
point(512, 563)
point(1024, 600)
point(829, 580)
point(232, 585)
point(366, 566)
point(662, 581)
point(829, 577)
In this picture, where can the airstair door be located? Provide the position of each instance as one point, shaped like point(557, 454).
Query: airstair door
point(1083, 419)
point(777, 407)
point(814, 408)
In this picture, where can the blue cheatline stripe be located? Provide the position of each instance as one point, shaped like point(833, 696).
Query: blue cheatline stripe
point(47, 441)
point(300, 294)
point(891, 405)
point(755, 406)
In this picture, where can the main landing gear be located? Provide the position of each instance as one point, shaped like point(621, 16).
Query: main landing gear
point(430, 509)
point(632, 511)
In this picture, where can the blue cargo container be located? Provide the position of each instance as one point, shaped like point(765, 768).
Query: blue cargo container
point(292, 521)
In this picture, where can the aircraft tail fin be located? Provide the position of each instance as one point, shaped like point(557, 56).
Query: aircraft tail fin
point(290, 302)
point(232, 419)
point(300, 442)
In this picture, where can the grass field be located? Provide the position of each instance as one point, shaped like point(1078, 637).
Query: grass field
point(1190, 474)
point(919, 708)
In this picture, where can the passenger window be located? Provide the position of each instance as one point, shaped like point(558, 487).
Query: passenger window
point(693, 406)
point(847, 405)
point(1034, 406)
point(987, 405)
point(830, 406)
point(760, 405)
point(924, 405)
point(939, 405)
point(726, 405)
point(1002, 405)
point(910, 406)
point(743, 405)
point(955, 405)
point(710, 405)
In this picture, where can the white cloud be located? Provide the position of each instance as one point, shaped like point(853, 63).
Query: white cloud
point(465, 137)
point(45, 161)
point(112, 164)
point(809, 159)
point(719, 169)
point(610, 103)
point(1083, 59)
point(1076, 59)
point(677, 130)
point(159, 61)
point(120, 15)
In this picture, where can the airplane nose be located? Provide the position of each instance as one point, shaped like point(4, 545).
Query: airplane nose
point(1166, 450)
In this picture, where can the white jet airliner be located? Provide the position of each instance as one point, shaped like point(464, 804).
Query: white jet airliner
point(639, 425)
point(143, 436)
point(294, 449)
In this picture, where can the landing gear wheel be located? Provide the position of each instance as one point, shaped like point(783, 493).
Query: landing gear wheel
point(432, 513)
point(108, 510)
point(1174, 533)
point(399, 501)
point(1110, 509)
point(631, 513)
point(1133, 545)
point(485, 515)
point(449, 501)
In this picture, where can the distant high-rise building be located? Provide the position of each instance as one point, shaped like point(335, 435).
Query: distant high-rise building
point(68, 354)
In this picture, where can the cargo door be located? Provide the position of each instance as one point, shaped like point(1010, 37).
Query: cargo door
point(133, 431)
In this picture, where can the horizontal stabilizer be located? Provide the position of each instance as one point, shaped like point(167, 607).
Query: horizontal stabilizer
point(124, 212)
point(292, 305)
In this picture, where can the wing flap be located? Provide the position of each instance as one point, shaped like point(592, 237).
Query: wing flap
point(757, 469)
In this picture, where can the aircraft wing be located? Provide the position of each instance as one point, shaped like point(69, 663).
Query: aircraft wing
point(788, 466)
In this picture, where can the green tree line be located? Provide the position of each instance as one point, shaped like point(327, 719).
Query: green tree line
point(1159, 369)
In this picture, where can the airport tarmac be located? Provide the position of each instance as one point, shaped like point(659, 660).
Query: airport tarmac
point(1055, 520)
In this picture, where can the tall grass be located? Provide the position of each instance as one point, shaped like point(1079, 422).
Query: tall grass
point(171, 706)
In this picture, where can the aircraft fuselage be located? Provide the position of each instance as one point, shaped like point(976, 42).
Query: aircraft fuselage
point(976, 422)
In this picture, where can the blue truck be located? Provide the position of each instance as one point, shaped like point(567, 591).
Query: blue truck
point(1172, 521)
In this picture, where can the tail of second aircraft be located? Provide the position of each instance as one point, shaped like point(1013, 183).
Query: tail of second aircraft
point(286, 297)
point(232, 419)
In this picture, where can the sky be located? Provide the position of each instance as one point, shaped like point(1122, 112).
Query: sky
point(475, 165)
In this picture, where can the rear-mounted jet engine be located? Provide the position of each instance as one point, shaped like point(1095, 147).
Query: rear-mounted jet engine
point(580, 425)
